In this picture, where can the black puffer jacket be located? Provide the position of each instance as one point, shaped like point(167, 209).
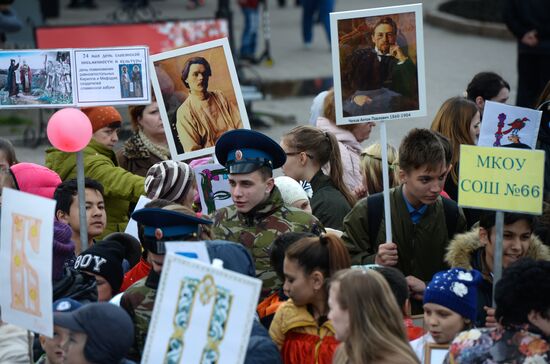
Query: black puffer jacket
point(78, 286)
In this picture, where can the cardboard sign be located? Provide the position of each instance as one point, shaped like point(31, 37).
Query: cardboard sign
point(378, 64)
point(503, 179)
point(213, 186)
point(26, 261)
point(132, 227)
point(202, 314)
point(190, 249)
point(509, 126)
point(74, 77)
point(199, 97)
point(112, 76)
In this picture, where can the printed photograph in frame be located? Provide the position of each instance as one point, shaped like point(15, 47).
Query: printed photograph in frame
point(199, 97)
point(435, 353)
point(378, 64)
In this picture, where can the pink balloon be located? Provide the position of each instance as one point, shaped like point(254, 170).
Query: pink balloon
point(69, 130)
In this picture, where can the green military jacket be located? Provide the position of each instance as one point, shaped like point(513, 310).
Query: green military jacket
point(139, 300)
point(257, 229)
point(421, 247)
point(120, 186)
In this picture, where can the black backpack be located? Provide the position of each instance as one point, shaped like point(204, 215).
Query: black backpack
point(375, 213)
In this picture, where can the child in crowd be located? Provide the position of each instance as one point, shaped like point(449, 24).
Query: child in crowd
point(371, 169)
point(157, 227)
point(422, 222)
point(487, 86)
point(67, 209)
point(267, 308)
point(120, 186)
point(293, 193)
point(173, 181)
point(523, 304)
point(98, 333)
point(7, 154)
point(103, 261)
point(143, 267)
point(55, 347)
point(476, 249)
point(367, 320)
point(300, 327)
point(450, 304)
point(399, 288)
point(349, 138)
point(308, 149)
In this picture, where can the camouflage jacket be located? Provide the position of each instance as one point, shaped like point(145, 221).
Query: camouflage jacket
point(138, 301)
point(257, 229)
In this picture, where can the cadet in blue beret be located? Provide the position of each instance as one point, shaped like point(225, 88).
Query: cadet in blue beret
point(156, 226)
point(258, 215)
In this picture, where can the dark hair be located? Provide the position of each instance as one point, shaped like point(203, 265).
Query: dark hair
point(266, 172)
point(386, 20)
point(7, 147)
point(487, 219)
point(485, 84)
point(523, 288)
point(66, 190)
point(136, 112)
point(422, 147)
point(397, 282)
point(322, 147)
point(279, 247)
point(192, 61)
point(326, 253)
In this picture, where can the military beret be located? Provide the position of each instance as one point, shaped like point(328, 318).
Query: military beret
point(164, 225)
point(244, 151)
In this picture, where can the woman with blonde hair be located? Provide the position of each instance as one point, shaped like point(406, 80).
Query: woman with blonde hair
point(371, 169)
point(308, 149)
point(367, 320)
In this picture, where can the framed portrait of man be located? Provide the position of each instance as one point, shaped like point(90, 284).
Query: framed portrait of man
point(378, 64)
point(199, 97)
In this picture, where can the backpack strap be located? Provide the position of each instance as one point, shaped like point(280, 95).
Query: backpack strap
point(375, 212)
point(450, 209)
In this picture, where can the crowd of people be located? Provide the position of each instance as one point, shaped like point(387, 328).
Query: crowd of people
point(333, 288)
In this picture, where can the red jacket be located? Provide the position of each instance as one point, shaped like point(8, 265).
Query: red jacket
point(138, 272)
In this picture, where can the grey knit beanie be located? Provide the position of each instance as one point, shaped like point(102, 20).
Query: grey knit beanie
point(169, 180)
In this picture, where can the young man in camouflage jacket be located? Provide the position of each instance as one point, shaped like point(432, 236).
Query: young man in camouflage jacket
point(258, 215)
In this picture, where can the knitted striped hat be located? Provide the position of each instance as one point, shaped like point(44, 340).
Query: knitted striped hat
point(169, 180)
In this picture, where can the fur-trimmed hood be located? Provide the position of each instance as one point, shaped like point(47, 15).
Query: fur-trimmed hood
point(460, 249)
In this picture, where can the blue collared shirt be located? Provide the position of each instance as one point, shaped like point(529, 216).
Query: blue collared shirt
point(415, 214)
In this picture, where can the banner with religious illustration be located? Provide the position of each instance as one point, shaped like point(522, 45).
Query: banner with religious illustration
point(213, 187)
point(26, 237)
point(80, 77)
point(202, 314)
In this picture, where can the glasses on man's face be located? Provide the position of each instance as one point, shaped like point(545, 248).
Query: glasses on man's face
point(290, 154)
